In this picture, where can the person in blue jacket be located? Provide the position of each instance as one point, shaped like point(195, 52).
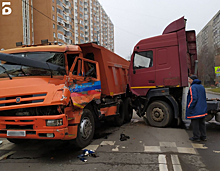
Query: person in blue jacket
point(196, 108)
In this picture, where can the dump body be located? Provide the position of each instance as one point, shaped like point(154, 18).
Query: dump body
point(113, 69)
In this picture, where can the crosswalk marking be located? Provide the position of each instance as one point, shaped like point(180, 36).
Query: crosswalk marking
point(175, 159)
point(163, 167)
point(186, 150)
point(177, 168)
point(152, 149)
point(162, 159)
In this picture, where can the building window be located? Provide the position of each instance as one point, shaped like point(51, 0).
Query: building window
point(54, 35)
point(53, 17)
point(53, 26)
point(53, 8)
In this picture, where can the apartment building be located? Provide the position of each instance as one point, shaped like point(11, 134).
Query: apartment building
point(64, 21)
point(208, 49)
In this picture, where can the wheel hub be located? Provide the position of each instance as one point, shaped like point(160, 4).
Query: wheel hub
point(157, 114)
point(85, 128)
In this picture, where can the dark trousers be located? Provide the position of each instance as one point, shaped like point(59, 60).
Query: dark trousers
point(199, 128)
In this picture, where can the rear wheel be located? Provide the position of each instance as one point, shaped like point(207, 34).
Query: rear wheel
point(209, 117)
point(86, 130)
point(159, 114)
point(17, 141)
point(128, 110)
point(119, 119)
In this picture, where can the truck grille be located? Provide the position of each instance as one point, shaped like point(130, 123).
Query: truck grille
point(24, 99)
point(19, 127)
point(31, 111)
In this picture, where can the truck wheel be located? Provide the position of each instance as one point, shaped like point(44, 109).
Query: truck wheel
point(119, 119)
point(128, 110)
point(159, 114)
point(86, 130)
point(209, 117)
point(17, 141)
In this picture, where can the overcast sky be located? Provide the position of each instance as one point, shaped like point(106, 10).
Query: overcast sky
point(138, 19)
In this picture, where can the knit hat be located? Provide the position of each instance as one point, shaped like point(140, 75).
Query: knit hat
point(193, 77)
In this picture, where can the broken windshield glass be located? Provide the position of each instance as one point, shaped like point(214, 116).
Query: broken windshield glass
point(15, 70)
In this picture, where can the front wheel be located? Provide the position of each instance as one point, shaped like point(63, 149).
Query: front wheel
point(86, 130)
point(159, 114)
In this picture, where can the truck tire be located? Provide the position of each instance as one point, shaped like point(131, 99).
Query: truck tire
point(119, 119)
point(159, 114)
point(17, 141)
point(209, 117)
point(85, 130)
point(128, 110)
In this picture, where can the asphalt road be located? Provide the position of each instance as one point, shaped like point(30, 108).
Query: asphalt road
point(148, 148)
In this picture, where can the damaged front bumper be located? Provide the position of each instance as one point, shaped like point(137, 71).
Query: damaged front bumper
point(37, 127)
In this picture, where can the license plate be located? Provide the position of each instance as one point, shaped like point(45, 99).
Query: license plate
point(16, 133)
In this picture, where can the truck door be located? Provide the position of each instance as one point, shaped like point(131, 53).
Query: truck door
point(85, 84)
point(142, 73)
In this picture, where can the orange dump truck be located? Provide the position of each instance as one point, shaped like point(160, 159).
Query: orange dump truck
point(61, 92)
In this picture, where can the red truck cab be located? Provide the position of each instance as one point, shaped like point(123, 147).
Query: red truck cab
point(158, 71)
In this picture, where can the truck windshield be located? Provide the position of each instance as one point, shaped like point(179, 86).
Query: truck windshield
point(8, 69)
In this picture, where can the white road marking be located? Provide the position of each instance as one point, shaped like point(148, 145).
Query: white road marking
point(162, 159)
point(177, 168)
point(176, 163)
point(116, 148)
point(163, 167)
point(167, 144)
point(186, 150)
point(92, 147)
point(216, 151)
point(107, 143)
point(201, 146)
point(175, 159)
point(7, 154)
point(152, 149)
point(162, 162)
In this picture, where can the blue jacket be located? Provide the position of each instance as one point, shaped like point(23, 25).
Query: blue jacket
point(196, 101)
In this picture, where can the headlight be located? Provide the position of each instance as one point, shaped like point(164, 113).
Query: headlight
point(54, 122)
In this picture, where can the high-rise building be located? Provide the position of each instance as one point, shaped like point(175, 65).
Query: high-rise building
point(208, 50)
point(64, 21)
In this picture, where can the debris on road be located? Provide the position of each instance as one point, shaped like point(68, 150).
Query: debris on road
point(123, 137)
point(86, 153)
point(1, 142)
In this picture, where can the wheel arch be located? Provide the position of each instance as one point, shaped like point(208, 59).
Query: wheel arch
point(163, 95)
